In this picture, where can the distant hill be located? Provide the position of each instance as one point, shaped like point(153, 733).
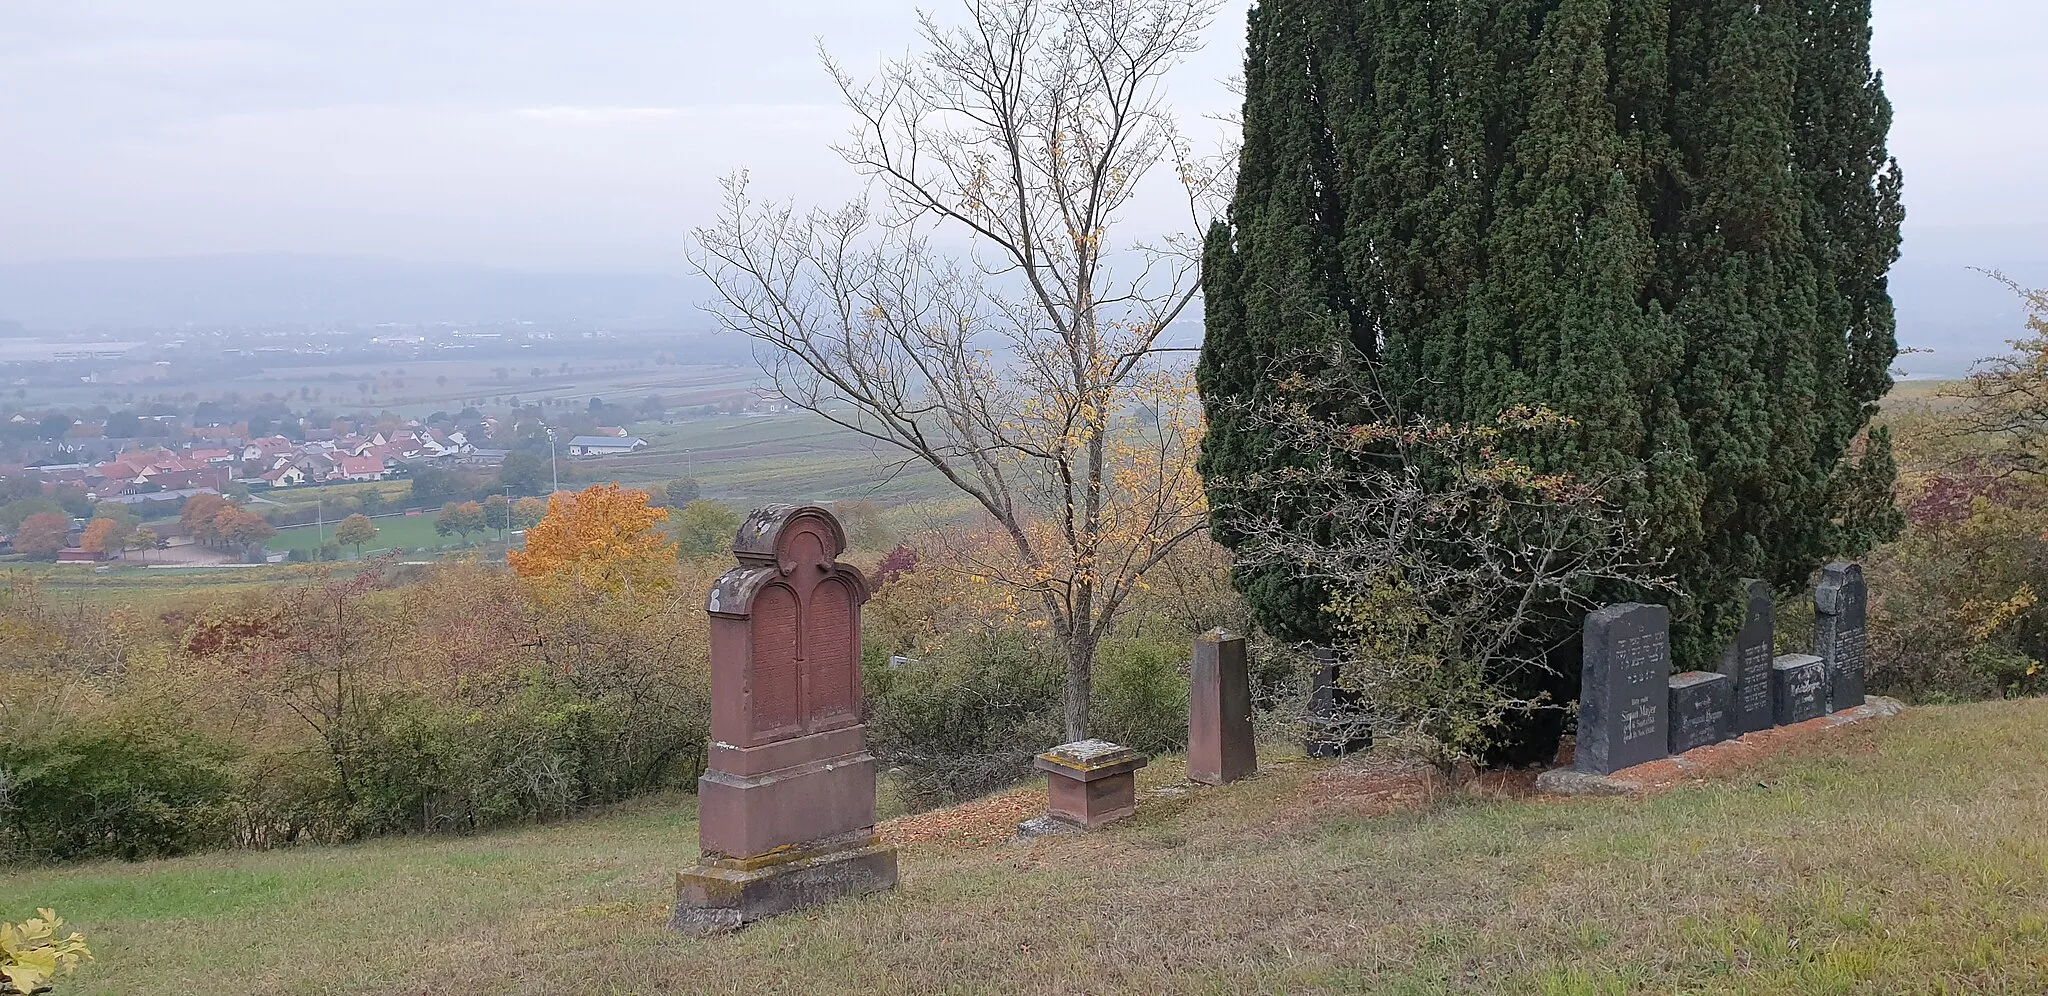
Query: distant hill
point(1943, 304)
point(262, 289)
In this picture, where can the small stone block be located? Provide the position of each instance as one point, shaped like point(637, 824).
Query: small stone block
point(1091, 783)
point(1220, 744)
point(1798, 689)
point(1700, 713)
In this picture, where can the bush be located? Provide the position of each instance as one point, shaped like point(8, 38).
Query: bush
point(129, 789)
point(967, 718)
point(1141, 695)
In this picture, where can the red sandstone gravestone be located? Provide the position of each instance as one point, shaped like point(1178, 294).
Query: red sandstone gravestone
point(786, 811)
point(1220, 746)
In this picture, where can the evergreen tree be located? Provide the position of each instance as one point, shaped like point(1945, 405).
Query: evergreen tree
point(1668, 219)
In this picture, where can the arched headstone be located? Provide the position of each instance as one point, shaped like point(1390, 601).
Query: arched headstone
point(786, 810)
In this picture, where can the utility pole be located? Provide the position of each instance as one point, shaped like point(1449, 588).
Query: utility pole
point(552, 469)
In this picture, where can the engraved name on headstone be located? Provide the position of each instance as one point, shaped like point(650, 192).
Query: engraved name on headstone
point(1624, 690)
point(1700, 709)
point(1798, 688)
point(1747, 662)
point(1838, 632)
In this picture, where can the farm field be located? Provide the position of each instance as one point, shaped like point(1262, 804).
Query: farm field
point(394, 532)
point(789, 457)
point(1902, 856)
point(147, 589)
point(420, 387)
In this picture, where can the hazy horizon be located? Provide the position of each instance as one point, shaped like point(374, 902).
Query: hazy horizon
point(516, 136)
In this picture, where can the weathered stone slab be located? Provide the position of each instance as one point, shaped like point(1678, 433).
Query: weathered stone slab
point(1220, 745)
point(1624, 688)
point(1700, 709)
point(1799, 689)
point(1839, 640)
point(1747, 661)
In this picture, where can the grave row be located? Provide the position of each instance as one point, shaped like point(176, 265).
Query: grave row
point(1633, 710)
point(786, 809)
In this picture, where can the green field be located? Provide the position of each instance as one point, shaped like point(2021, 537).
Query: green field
point(794, 457)
point(406, 532)
point(1898, 857)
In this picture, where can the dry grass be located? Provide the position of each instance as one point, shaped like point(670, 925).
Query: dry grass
point(1904, 856)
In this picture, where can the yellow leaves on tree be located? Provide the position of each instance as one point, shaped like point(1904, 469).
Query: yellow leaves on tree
point(601, 539)
point(94, 539)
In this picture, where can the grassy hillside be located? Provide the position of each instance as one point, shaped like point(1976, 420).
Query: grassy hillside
point(1903, 856)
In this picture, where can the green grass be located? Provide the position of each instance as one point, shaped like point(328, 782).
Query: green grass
point(770, 458)
point(1904, 856)
point(409, 532)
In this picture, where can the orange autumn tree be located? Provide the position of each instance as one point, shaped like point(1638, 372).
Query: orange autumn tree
point(600, 539)
point(98, 535)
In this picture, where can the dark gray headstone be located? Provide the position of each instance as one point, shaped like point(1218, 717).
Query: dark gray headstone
point(1334, 728)
point(1700, 712)
point(1624, 688)
point(1799, 688)
point(1747, 662)
point(1838, 632)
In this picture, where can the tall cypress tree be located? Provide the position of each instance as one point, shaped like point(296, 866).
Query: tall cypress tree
point(1669, 219)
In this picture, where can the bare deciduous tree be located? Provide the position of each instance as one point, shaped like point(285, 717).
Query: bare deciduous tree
point(2000, 411)
point(1024, 371)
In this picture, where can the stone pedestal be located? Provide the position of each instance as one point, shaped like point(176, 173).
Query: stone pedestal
point(1091, 783)
point(786, 809)
point(1700, 712)
point(722, 894)
point(1220, 744)
point(1799, 688)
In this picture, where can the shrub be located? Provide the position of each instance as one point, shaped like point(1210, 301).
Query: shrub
point(32, 954)
point(121, 787)
point(1141, 695)
point(967, 718)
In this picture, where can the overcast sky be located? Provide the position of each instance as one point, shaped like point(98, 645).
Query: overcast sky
point(590, 135)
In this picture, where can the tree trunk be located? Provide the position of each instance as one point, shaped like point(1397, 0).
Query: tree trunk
point(1080, 674)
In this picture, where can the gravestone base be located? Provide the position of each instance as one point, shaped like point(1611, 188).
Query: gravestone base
point(1090, 783)
point(1705, 761)
point(758, 800)
point(724, 894)
point(1570, 781)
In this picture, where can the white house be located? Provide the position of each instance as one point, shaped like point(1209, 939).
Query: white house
point(583, 446)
